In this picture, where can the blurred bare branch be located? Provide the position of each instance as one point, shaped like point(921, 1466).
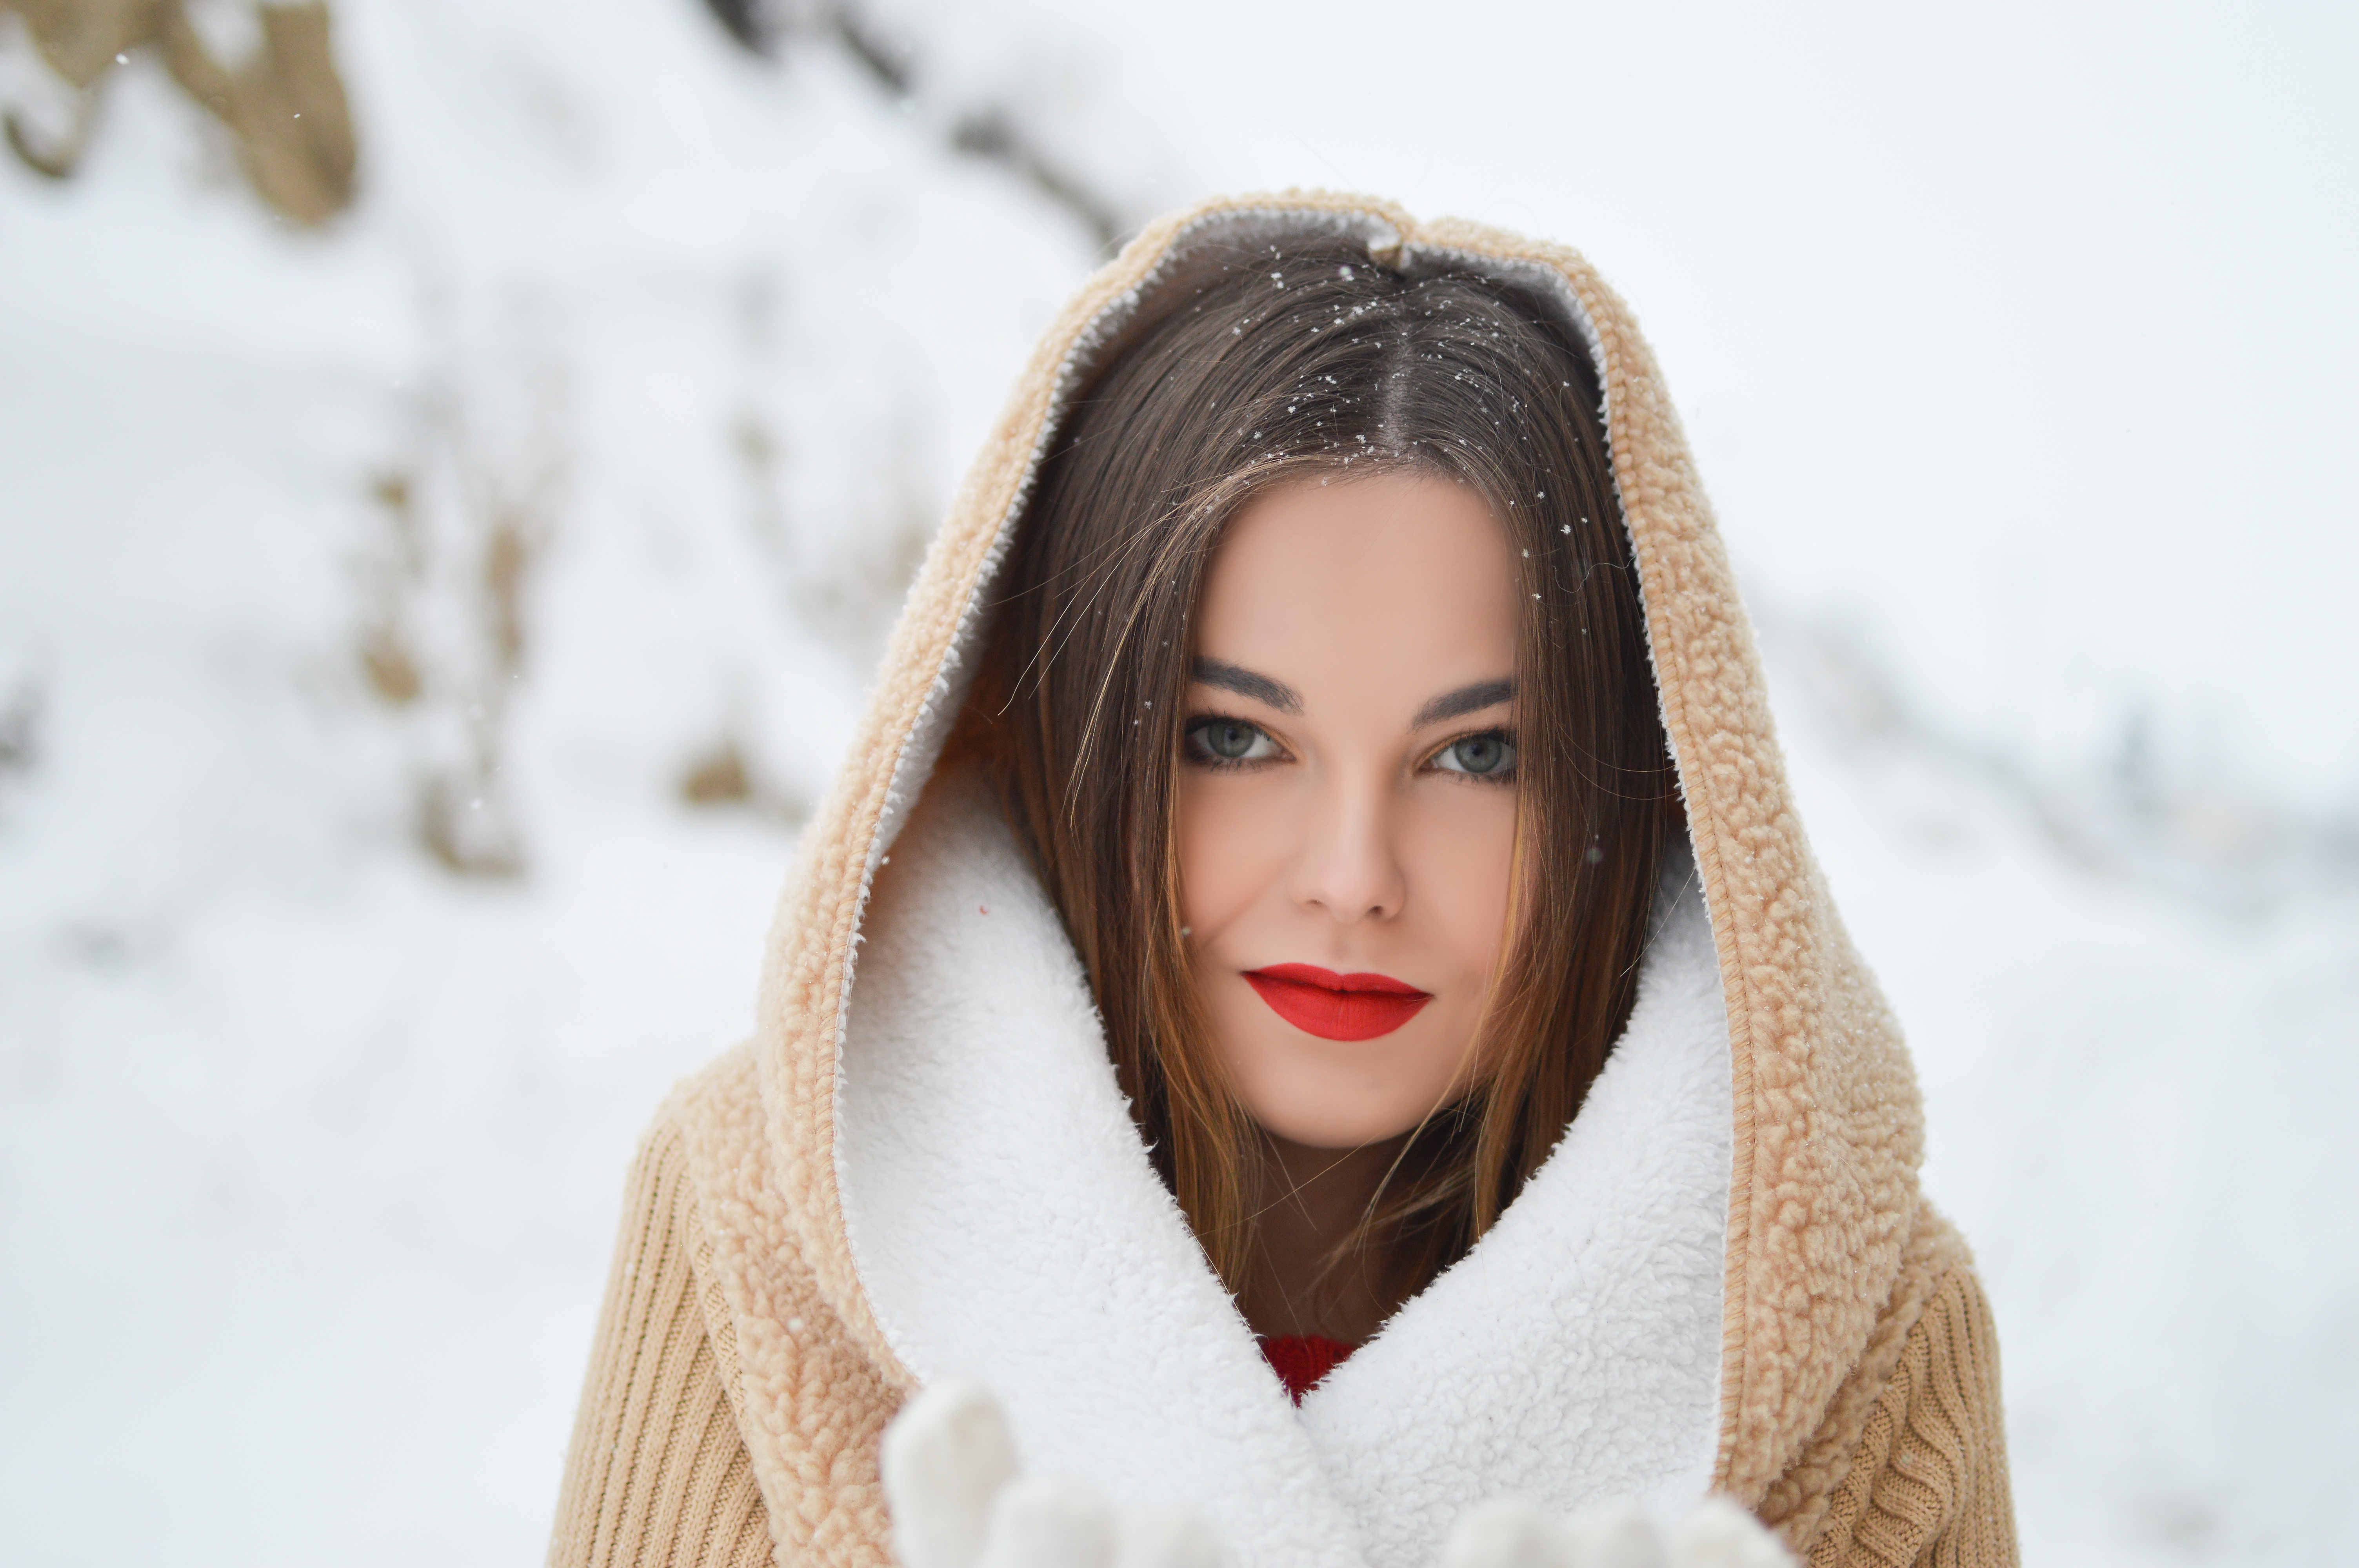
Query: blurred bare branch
point(992, 131)
point(2131, 821)
point(20, 716)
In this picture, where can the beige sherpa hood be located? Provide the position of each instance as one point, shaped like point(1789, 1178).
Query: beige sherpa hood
point(1817, 1258)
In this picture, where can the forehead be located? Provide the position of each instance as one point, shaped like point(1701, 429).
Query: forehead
point(1393, 580)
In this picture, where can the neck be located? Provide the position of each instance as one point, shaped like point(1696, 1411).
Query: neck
point(1312, 1202)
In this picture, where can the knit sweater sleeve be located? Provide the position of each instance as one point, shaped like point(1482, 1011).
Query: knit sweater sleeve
point(1927, 1483)
point(658, 1474)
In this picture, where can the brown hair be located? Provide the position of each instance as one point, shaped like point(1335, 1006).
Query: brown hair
point(1281, 363)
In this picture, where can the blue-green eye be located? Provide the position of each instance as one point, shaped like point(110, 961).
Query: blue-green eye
point(1223, 741)
point(1490, 756)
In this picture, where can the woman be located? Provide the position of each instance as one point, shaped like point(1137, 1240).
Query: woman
point(1317, 871)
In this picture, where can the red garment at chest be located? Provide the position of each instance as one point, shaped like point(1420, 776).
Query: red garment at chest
point(1301, 1360)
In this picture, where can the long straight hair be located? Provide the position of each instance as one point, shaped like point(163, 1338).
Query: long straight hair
point(1304, 362)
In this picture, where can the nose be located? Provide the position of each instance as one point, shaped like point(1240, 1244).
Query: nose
point(1349, 865)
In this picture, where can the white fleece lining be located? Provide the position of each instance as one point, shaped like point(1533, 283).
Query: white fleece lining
point(1009, 1227)
point(1573, 1357)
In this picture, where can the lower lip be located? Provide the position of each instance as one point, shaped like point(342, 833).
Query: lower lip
point(1337, 1007)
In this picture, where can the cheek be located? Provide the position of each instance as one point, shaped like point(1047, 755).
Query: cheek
point(1460, 856)
point(1231, 835)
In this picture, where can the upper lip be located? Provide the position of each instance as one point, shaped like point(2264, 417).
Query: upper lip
point(1327, 979)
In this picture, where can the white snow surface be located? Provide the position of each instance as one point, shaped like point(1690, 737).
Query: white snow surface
point(2014, 356)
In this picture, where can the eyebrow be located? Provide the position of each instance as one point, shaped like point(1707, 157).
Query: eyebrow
point(1248, 683)
point(1471, 698)
point(1467, 699)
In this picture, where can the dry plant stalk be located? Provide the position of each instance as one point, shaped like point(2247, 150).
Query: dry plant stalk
point(444, 633)
point(282, 106)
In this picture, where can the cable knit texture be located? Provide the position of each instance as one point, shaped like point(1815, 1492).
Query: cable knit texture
point(742, 1378)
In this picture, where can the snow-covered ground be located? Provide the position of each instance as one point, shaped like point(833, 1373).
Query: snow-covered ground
point(2013, 361)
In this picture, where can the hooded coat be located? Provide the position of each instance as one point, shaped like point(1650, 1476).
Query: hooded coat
point(1724, 1279)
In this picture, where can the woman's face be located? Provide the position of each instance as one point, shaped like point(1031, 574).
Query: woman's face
point(1346, 808)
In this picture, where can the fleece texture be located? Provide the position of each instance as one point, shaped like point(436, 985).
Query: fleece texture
point(1008, 1227)
point(1572, 1358)
point(1842, 1383)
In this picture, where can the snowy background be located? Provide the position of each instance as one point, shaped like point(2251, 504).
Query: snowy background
point(421, 637)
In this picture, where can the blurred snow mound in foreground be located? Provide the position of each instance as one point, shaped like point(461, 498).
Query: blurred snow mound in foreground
point(419, 641)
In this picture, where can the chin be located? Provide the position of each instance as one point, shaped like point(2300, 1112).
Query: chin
point(1320, 1132)
point(1330, 1095)
point(1337, 1116)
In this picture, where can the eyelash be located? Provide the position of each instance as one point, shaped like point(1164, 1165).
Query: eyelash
point(1213, 763)
point(1497, 731)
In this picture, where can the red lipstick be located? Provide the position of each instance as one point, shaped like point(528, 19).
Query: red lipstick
point(1336, 1007)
